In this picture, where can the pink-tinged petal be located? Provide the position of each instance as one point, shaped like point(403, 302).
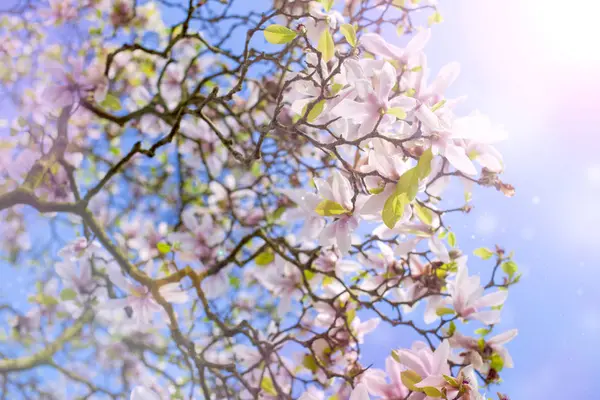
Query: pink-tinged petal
point(386, 80)
point(342, 191)
point(360, 393)
point(428, 117)
point(142, 393)
point(432, 381)
point(458, 158)
point(404, 102)
point(437, 247)
point(418, 42)
point(113, 304)
point(363, 88)
point(374, 43)
point(411, 361)
point(440, 357)
point(343, 236)
point(312, 228)
point(324, 188)
point(327, 236)
point(508, 361)
point(503, 338)
point(346, 266)
point(487, 317)
point(116, 277)
point(298, 106)
point(173, 294)
point(445, 78)
point(351, 109)
point(367, 327)
point(216, 285)
point(375, 380)
point(353, 70)
point(368, 125)
point(492, 299)
point(58, 96)
point(285, 304)
point(394, 371)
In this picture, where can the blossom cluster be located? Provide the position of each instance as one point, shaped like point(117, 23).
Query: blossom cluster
point(240, 221)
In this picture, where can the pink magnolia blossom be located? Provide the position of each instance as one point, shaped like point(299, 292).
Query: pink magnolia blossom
point(430, 366)
point(139, 297)
point(378, 385)
point(339, 232)
point(468, 299)
point(376, 106)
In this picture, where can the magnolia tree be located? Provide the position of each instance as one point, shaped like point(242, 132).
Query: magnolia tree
point(225, 199)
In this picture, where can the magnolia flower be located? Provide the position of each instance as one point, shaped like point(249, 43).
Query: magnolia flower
point(360, 392)
point(140, 299)
point(377, 45)
point(468, 299)
point(430, 366)
point(170, 86)
point(338, 190)
point(375, 380)
point(67, 88)
point(283, 280)
point(321, 20)
point(474, 354)
point(445, 131)
point(377, 107)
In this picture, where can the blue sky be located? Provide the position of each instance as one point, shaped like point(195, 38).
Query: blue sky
point(544, 88)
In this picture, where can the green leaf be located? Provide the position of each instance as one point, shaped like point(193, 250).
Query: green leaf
point(267, 385)
point(278, 34)
point(264, 258)
point(350, 315)
point(310, 363)
point(68, 294)
point(410, 379)
point(255, 169)
point(451, 381)
point(483, 253)
point(435, 18)
point(327, 4)
point(393, 209)
point(432, 392)
point(482, 331)
point(327, 281)
point(315, 111)
point(510, 268)
point(496, 362)
point(452, 239)
point(349, 33)
point(336, 87)
point(444, 311)
point(397, 112)
point(395, 356)
point(451, 328)
point(111, 102)
point(163, 247)
point(424, 214)
point(234, 281)
point(326, 45)
point(409, 181)
point(308, 274)
point(46, 300)
point(328, 208)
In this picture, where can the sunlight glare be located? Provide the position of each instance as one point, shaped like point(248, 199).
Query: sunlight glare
point(567, 32)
